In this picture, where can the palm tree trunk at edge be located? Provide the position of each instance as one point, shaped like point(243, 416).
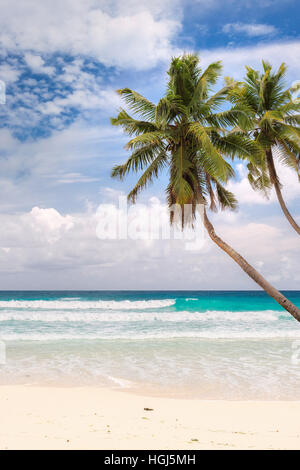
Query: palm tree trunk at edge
point(255, 275)
point(275, 181)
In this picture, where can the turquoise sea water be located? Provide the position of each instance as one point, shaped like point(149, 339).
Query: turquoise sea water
point(207, 344)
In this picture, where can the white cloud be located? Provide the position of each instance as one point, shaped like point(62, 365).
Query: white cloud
point(50, 101)
point(235, 59)
point(44, 170)
point(124, 37)
point(250, 29)
point(37, 64)
point(46, 249)
point(85, 95)
point(48, 223)
point(246, 195)
point(9, 73)
point(70, 178)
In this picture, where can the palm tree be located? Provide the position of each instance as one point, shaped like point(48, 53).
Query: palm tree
point(275, 125)
point(186, 134)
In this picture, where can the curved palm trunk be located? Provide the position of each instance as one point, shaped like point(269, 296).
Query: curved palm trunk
point(274, 179)
point(258, 278)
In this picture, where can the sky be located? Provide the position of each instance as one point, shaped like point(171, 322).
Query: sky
point(61, 62)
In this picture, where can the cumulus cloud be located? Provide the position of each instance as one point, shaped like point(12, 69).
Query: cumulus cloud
point(54, 95)
point(37, 64)
point(46, 249)
point(48, 223)
point(124, 37)
point(246, 195)
point(250, 29)
point(9, 73)
point(234, 59)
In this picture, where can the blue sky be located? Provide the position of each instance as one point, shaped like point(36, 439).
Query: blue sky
point(245, 23)
point(61, 62)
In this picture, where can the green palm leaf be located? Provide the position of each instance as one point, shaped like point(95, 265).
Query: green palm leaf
point(138, 103)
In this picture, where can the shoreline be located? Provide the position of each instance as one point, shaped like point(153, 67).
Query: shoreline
point(44, 417)
point(150, 392)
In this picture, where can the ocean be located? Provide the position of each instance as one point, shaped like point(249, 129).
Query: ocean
point(195, 344)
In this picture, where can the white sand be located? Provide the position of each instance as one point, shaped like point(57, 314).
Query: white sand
point(92, 418)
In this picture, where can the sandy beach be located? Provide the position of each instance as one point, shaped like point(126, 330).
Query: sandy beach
point(93, 418)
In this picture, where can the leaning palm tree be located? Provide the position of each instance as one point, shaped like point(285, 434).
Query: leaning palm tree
point(275, 126)
point(187, 134)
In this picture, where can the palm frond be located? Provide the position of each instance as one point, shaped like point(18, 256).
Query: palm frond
point(240, 146)
point(138, 103)
point(152, 138)
point(226, 198)
point(208, 78)
point(259, 179)
point(138, 160)
point(147, 177)
point(132, 126)
point(210, 157)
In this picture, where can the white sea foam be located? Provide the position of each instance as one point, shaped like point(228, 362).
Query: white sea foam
point(69, 298)
point(49, 316)
point(121, 382)
point(86, 305)
point(166, 335)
